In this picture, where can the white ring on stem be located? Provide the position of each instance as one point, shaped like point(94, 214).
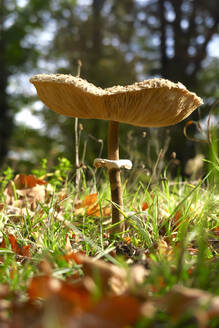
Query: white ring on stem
point(113, 164)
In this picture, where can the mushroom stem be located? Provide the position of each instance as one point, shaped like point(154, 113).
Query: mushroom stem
point(114, 175)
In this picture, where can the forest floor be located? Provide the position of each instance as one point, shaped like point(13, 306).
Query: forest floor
point(60, 265)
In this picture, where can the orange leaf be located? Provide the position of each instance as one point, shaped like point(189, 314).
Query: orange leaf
point(90, 200)
point(38, 287)
point(127, 239)
point(20, 250)
point(177, 217)
point(47, 287)
point(144, 206)
point(14, 244)
point(25, 251)
point(76, 294)
point(93, 210)
point(118, 311)
point(27, 181)
point(73, 256)
point(216, 231)
point(190, 271)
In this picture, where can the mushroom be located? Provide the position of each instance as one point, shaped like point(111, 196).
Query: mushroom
point(150, 103)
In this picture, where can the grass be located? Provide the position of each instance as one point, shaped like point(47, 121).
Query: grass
point(171, 231)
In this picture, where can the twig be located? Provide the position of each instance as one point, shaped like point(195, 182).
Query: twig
point(199, 128)
point(77, 162)
point(209, 118)
point(208, 139)
point(79, 68)
point(155, 167)
point(77, 143)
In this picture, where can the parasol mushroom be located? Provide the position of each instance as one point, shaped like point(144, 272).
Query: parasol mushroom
point(150, 103)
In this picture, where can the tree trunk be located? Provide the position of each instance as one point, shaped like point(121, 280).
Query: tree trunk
point(5, 119)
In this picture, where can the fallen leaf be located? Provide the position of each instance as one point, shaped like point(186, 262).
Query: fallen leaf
point(127, 239)
point(73, 257)
point(16, 248)
point(216, 230)
point(90, 207)
point(91, 210)
point(95, 211)
point(27, 181)
point(109, 275)
point(117, 311)
point(26, 191)
point(4, 291)
point(177, 217)
point(181, 299)
point(38, 287)
point(25, 251)
point(14, 244)
point(47, 287)
point(213, 310)
point(89, 200)
point(144, 206)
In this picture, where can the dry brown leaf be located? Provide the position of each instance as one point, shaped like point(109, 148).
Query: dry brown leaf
point(95, 211)
point(213, 310)
point(20, 250)
point(73, 257)
point(23, 181)
point(28, 192)
point(165, 249)
point(111, 276)
point(38, 287)
point(144, 206)
point(119, 311)
point(137, 274)
point(4, 291)
point(148, 309)
point(201, 303)
point(90, 207)
point(110, 312)
point(47, 287)
point(89, 200)
point(45, 267)
point(91, 210)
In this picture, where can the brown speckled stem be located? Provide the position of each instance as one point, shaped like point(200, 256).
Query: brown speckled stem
point(114, 175)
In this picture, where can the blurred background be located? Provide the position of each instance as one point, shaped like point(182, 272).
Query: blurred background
point(118, 42)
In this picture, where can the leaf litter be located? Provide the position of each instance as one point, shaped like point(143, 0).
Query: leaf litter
point(98, 293)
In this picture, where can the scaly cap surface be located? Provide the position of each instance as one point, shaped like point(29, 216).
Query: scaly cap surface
point(152, 103)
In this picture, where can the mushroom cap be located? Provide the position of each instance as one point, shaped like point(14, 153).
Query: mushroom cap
point(150, 103)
